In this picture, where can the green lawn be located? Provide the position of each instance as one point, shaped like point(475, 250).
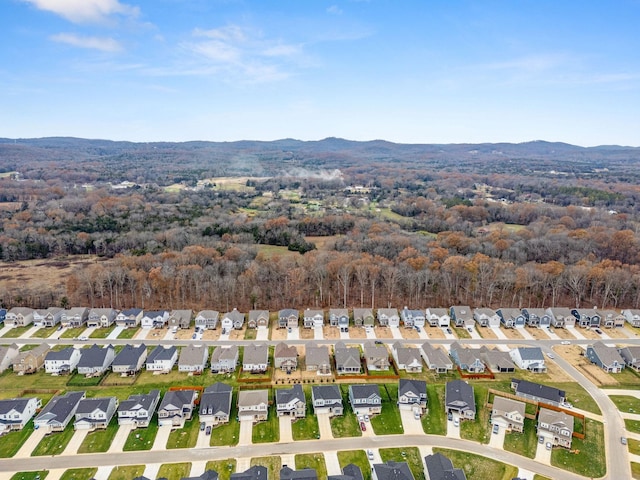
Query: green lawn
point(306, 428)
point(42, 474)
point(477, 467)
point(269, 431)
point(540, 477)
point(626, 403)
point(634, 446)
point(228, 433)
point(99, 441)
point(185, 437)
point(478, 430)
point(17, 331)
point(411, 455)
point(11, 442)
point(128, 333)
point(102, 332)
point(272, 464)
point(635, 470)
point(389, 421)
point(312, 460)
point(142, 438)
point(174, 471)
point(632, 425)
point(54, 443)
point(224, 467)
point(44, 332)
point(251, 334)
point(81, 381)
point(590, 462)
point(435, 422)
point(524, 443)
point(79, 474)
point(345, 425)
point(578, 396)
point(127, 472)
point(357, 457)
point(72, 332)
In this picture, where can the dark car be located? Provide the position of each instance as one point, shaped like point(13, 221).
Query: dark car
point(378, 342)
point(208, 432)
point(449, 331)
point(202, 425)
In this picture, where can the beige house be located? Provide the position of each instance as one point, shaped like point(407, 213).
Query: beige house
point(31, 361)
point(508, 414)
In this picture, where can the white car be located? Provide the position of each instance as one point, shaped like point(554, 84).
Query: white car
point(83, 338)
point(565, 342)
point(551, 355)
point(370, 454)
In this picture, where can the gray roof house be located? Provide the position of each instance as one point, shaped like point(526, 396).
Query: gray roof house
point(19, 317)
point(339, 317)
point(313, 318)
point(8, 354)
point(347, 358)
point(439, 467)
point(556, 427)
point(288, 318)
point(257, 472)
point(154, 319)
point(612, 319)
point(317, 359)
point(607, 358)
point(326, 399)
point(412, 318)
point(138, 409)
point(253, 405)
point(162, 359)
point(62, 361)
point(258, 319)
point(233, 319)
point(436, 359)
point(15, 413)
point(459, 398)
point(587, 317)
point(467, 359)
point(407, 358)
point(461, 316)
point(561, 317)
point(508, 414)
point(537, 317)
point(537, 392)
point(129, 318)
point(631, 356)
point(215, 404)
point(49, 317)
point(207, 319)
point(376, 356)
point(224, 358)
point(285, 357)
point(206, 475)
point(130, 359)
point(57, 414)
point(287, 473)
point(74, 317)
point(497, 360)
point(176, 407)
point(193, 358)
point(529, 358)
point(486, 317)
point(438, 317)
point(30, 361)
point(391, 471)
point(95, 413)
point(255, 358)
point(365, 398)
point(291, 402)
point(96, 360)
point(388, 317)
point(101, 317)
point(632, 316)
point(412, 393)
point(349, 472)
point(363, 317)
point(511, 317)
point(180, 319)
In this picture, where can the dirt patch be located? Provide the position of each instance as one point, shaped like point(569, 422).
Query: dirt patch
point(383, 332)
point(184, 334)
point(487, 332)
point(330, 333)
point(307, 333)
point(538, 333)
point(212, 334)
point(563, 333)
point(278, 334)
point(588, 333)
point(594, 373)
point(616, 332)
point(237, 334)
point(409, 333)
point(512, 333)
point(435, 332)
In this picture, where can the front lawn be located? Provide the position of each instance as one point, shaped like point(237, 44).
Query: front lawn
point(174, 471)
point(16, 332)
point(185, 437)
point(73, 332)
point(345, 425)
point(478, 430)
point(635, 470)
point(42, 474)
point(389, 421)
point(269, 431)
point(272, 464)
point(306, 428)
point(590, 461)
point(435, 422)
point(477, 467)
point(312, 460)
point(525, 443)
point(358, 458)
point(224, 467)
point(79, 474)
point(54, 443)
point(634, 446)
point(540, 477)
point(128, 333)
point(632, 425)
point(102, 332)
point(626, 403)
point(12, 441)
point(127, 472)
point(99, 441)
point(141, 438)
point(44, 332)
point(227, 433)
point(411, 455)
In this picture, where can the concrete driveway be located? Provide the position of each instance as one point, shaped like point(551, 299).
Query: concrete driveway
point(411, 425)
point(31, 443)
point(294, 334)
point(160, 443)
point(74, 443)
point(396, 333)
point(542, 454)
point(452, 431)
point(318, 334)
point(332, 463)
point(246, 431)
point(285, 429)
point(30, 332)
point(497, 439)
point(121, 437)
point(261, 335)
point(324, 426)
point(115, 333)
point(203, 440)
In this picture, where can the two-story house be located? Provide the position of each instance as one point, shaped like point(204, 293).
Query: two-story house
point(162, 359)
point(232, 320)
point(48, 318)
point(327, 399)
point(224, 358)
point(288, 318)
point(388, 317)
point(607, 358)
point(631, 356)
point(215, 404)
point(176, 407)
point(461, 316)
point(459, 398)
point(365, 399)
point(207, 319)
point(439, 467)
point(95, 360)
point(130, 359)
point(74, 317)
point(537, 317)
point(193, 358)
point(376, 357)
point(587, 317)
point(412, 394)
point(339, 317)
point(138, 409)
point(30, 361)
point(15, 413)
point(557, 427)
point(313, 318)
point(317, 359)
point(285, 357)
point(180, 319)
point(363, 317)
point(8, 354)
point(258, 319)
point(632, 316)
point(612, 319)
point(255, 358)
point(467, 359)
point(154, 319)
point(347, 359)
point(561, 317)
point(291, 402)
point(529, 358)
point(253, 405)
point(438, 317)
point(508, 414)
point(57, 414)
point(537, 392)
point(101, 317)
point(95, 413)
point(61, 361)
point(486, 317)
point(436, 359)
point(129, 318)
point(19, 317)
point(412, 318)
point(511, 317)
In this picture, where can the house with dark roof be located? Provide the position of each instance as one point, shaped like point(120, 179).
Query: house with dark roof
point(537, 392)
point(412, 318)
point(508, 414)
point(95, 413)
point(412, 394)
point(607, 358)
point(288, 318)
point(537, 317)
point(129, 318)
point(30, 361)
point(285, 357)
point(130, 359)
point(101, 317)
point(3, 314)
point(96, 360)
point(215, 404)
point(8, 354)
point(497, 360)
point(176, 407)
point(511, 317)
point(206, 475)
point(287, 473)
point(468, 359)
point(407, 358)
point(365, 399)
point(15, 413)
point(57, 414)
point(224, 358)
point(291, 402)
point(258, 319)
point(587, 317)
point(162, 359)
point(61, 361)
point(138, 409)
point(435, 358)
point(207, 319)
point(155, 319)
point(347, 358)
point(327, 399)
point(439, 467)
point(529, 358)
point(257, 472)
point(376, 357)
point(255, 358)
point(461, 316)
point(391, 471)
point(193, 358)
point(349, 472)
point(180, 319)
point(317, 359)
point(459, 398)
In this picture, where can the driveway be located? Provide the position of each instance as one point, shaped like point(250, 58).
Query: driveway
point(576, 333)
point(246, 431)
point(497, 439)
point(31, 443)
point(474, 333)
point(318, 334)
point(5, 329)
point(285, 429)
point(162, 437)
point(115, 333)
point(261, 335)
point(499, 333)
point(395, 332)
point(152, 470)
point(74, 443)
point(371, 333)
point(29, 332)
point(294, 334)
point(449, 336)
point(332, 463)
point(203, 440)
point(409, 423)
point(120, 437)
point(103, 473)
point(525, 333)
point(452, 431)
point(542, 454)
point(324, 425)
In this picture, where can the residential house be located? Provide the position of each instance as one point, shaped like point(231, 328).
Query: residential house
point(206, 475)
point(101, 317)
point(363, 317)
point(461, 316)
point(255, 358)
point(486, 317)
point(555, 426)
point(253, 405)
point(193, 358)
point(412, 394)
point(467, 359)
point(631, 356)
point(607, 358)
point(287, 473)
point(224, 358)
point(285, 357)
point(57, 414)
point(74, 317)
point(15, 413)
point(138, 409)
point(458, 398)
point(391, 471)
point(529, 358)
point(412, 318)
point(95, 360)
point(339, 317)
point(8, 354)
point(257, 472)
point(130, 359)
point(561, 317)
point(162, 359)
point(317, 359)
point(612, 319)
point(349, 472)
point(365, 398)
point(233, 319)
point(155, 319)
point(291, 402)
point(439, 467)
point(632, 316)
point(511, 317)
point(508, 414)
point(497, 360)
point(407, 358)
point(47, 318)
point(95, 413)
point(587, 317)
point(215, 403)
point(258, 319)
point(176, 407)
point(61, 361)
point(180, 319)
point(376, 357)
point(438, 317)
point(30, 361)
point(207, 319)
point(537, 392)
point(435, 359)
point(312, 318)
point(388, 317)
point(19, 317)
point(288, 318)
point(129, 318)
point(537, 317)
point(347, 359)
point(326, 399)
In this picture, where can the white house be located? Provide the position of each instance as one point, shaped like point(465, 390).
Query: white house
point(162, 359)
point(16, 412)
point(62, 361)
point(528, 358)
point(438, 317)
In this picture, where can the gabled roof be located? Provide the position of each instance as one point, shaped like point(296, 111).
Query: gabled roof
point(206, 475)
point(559, 419)
point(129, 356)
point(393, 471)
point(221, 353)
point(255, 354)
point(193, 355)
point(544, 392)
point(161, 353)
point(60, 355)
point(217, 399)
point(60, 407)
point(435, 354)
point(177, 399)
point(89, 405)
point(257, 472)
point(40, 350)
point(607, 355)
point(408, 355)
point(459, 393)
point(288, 312)
point(17, 404)
point(131, 312)
point(440, 467)
point(365, 390)
point(249, 398)
point(283, 350)
point(208, 314)
point(417, 387)
point(234, 315)
point(142, 400)
point(530, 353)
point(504, 404)
point(287, 473)
point(326, 392)
point(347, 356)
point(286, 395)
point(94, 356)
point(256, 314)
point(316, 355)
point(371, 350)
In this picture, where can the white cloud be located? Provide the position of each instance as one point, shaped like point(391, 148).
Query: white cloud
point(334, 10)
point(104, 44)
point(85, 11)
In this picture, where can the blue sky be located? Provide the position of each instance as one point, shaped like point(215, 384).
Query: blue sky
point(410, 71)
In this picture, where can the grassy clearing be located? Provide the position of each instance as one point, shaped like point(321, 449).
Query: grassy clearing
point(634, 446)
point(224, 467)
point(42, 474)
point(128, 333)
point(635, 470)
point(16, 332)
point(269, 431)
point(44, 332)
point(357, 457)
point(306, 428)
point(54, 443)
point(435, 422)
point(185, 437)
point(626, 403)
point(102, 332)
point(11, 442)
point(251, 334)
point(389, 421)
point(72, 332)
point(525, 443)
point(79, 474)
point(174, 471)
point(478, 430)
point(312, 460)
point(126, 473)
point(578, 396)
point(632, 425)
point(345, 425)
point(411, 455)
point(590, 462)
point(540, 477)
point(272, 464)
point(81, 381)
point(99, 441)
point(141, 438)
point(477, 467)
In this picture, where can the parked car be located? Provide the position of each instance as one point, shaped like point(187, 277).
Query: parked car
point(565, 342)
point(598, 331)
point(202, 425)
point(361, 418)
point(496, 428)
point(456, 422)
point(449, 331)
point(363, 426)
point(83, 338)
point(623, 440)
point(208, 431)
point(469, 328)
point(541, 439)
point(378, 342)
point(370, 454)
point(416, 414)
point(366, 418)
point(449, 416)
point(417, 328)
point(548, 446)
point(551, 355)
point(194, 336)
